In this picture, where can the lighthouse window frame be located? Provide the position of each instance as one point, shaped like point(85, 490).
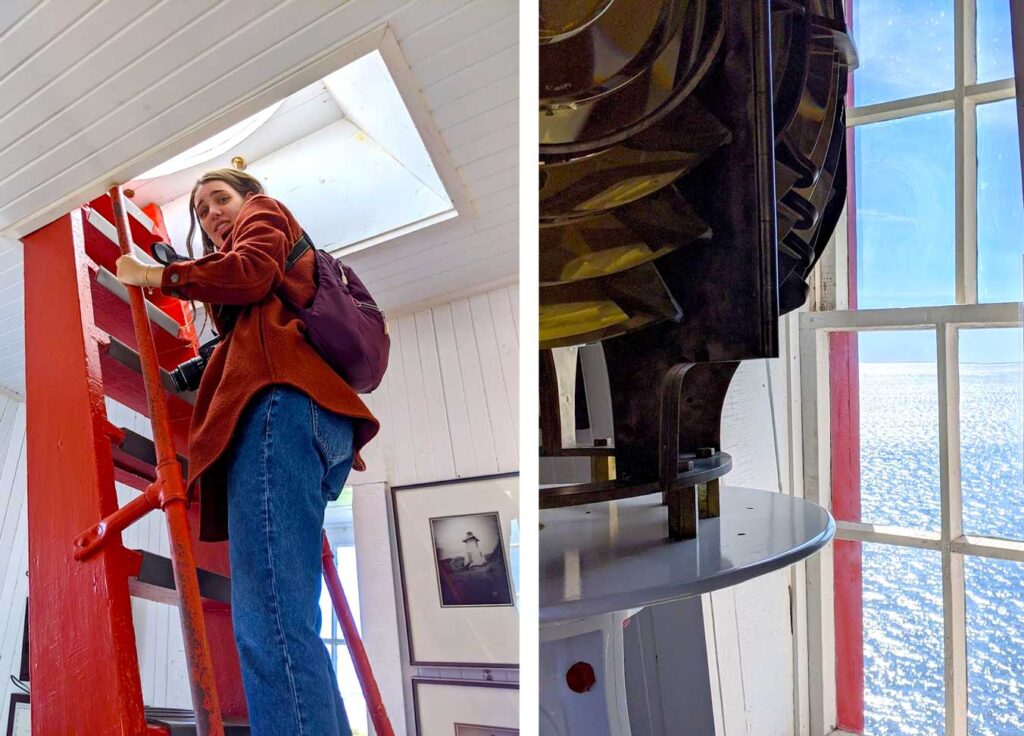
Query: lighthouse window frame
point(812, 341)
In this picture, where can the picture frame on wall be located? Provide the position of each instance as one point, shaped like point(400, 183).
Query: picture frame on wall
point(445, 707)
point(472, 729)
point(457, 571)
point(19, 715)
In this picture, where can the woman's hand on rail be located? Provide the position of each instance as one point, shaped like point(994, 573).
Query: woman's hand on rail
point(133, 272)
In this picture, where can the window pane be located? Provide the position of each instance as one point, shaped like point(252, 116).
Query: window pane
point(905, 48)
point(995, 52)
point(899, 441)
point(326, 612)
point(513, 553)
point(1000, 207)
point(903, 630)
point(351, 694)
point(905, 212)
point(995, 647)
point(346, 560)
point(991, 441)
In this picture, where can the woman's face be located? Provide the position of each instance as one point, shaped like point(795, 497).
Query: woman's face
point(217, 206)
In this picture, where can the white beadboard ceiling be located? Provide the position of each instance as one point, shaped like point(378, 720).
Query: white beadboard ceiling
point(99, 91)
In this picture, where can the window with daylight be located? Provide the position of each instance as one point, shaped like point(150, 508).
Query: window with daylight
point(339, 528)
point(916, 440)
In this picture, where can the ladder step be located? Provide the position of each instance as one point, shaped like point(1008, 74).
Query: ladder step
point(135, 459)
point(155, 581)
point(112, 314)
point(130, 359)
point(140, 223)
point(101, 240)
point(124, 385)
point(102, 247)
point(156, 316)
point(183, 722)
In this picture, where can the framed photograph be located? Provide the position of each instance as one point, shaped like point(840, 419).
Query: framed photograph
point(468, 729)
point(470, 559)
point(18, 717)
point(465, 708)
point(454, 563)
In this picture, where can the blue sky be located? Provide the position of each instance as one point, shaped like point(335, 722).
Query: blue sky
point(904, 174)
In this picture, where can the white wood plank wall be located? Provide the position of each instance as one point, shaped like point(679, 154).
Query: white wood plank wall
point(448, 405)
point(13, 546)
point(750, 638)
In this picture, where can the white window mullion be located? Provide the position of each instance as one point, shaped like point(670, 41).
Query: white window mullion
point(818, 614)
point(966, 203)
point(966, 163)
point(1000, 89)
point(882, 112)
point(830, 280)
point(953, 591)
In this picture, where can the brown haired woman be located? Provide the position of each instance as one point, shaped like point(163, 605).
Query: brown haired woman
point(274, 435)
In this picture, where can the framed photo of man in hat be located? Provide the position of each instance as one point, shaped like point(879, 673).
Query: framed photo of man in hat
point(455, 544)
point(470, 559)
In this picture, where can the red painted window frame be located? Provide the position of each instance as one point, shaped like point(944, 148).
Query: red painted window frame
point(844, 389)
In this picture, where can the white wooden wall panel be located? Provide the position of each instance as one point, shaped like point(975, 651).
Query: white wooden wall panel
point(13, 545)
point(448, 404)
point(380, 630)
point(12, 318)
point(751, 623)
point(443, 463)
point(478, 446)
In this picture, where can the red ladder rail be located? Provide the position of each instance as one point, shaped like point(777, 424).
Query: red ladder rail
point(169, 493)
point(368, 683)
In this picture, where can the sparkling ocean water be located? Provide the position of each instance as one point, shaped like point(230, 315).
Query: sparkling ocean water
point(903, 626)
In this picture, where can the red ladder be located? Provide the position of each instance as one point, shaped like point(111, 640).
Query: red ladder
point(88, 337)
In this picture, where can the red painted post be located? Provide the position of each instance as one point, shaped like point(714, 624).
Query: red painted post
point(374, 703)
point(80, 612)
point(844, 385)
point(171, 487)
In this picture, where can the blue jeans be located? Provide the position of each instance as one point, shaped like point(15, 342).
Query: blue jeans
point(289, 458)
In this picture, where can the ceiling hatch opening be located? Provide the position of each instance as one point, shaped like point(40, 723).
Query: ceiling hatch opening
point(343, 154)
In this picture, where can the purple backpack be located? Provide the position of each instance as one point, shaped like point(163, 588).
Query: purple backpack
point(344, 323)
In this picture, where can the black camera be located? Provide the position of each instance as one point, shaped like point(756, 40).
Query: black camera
point(187, 375)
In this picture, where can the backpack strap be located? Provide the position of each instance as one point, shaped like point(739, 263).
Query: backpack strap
point(301, 246)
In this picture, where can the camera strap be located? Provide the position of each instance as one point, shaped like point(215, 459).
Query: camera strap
point(301, 246)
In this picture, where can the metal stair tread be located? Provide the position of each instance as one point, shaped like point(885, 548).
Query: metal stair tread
point(182, 722)
point(156, 315)
point(130, 359)
point(155, 581)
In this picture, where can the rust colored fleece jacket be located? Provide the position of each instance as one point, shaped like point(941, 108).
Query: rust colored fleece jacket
point(267, 345)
